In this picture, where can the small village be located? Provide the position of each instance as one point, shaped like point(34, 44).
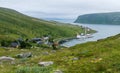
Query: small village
point(31, 43)
point(45, 41)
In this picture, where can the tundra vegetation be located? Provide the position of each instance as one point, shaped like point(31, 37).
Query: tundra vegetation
point(100, 56)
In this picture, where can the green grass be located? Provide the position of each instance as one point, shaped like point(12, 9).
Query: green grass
point(16, 25)
point(102, 56)
point(93, 57)
point(34, 69)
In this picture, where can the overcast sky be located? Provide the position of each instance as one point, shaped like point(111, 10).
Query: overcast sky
point(62, 8)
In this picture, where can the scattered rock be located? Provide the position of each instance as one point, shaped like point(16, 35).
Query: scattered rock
point(35, 47)
point(75, 58)
point(58, 71)
point(53, 51)
point(45, 53)
point(7, 59)
point(45, 63)
point(24, 55)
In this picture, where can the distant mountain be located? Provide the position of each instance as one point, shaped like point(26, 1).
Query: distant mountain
point(14, 25)
point(100, 18)
point(48, 16)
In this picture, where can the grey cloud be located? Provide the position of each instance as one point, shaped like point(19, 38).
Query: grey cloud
point(62, 8)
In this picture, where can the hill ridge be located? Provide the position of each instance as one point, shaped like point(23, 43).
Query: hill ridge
point(14, 24)
point(99, 18)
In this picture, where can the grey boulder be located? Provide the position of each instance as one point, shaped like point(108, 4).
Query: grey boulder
point(24, 55)
point(7, 59)
point(48, 63)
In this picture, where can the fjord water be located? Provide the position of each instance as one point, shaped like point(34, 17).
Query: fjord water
point(103, 31)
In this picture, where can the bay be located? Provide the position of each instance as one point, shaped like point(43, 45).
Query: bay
point(103, 31)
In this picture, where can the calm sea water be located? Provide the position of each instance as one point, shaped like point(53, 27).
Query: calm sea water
point(104, 31)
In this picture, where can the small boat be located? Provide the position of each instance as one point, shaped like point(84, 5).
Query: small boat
point(89, 36)
point(78, 36)
point(84, 35)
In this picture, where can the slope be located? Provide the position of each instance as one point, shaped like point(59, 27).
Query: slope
point(15, 25)
point(102, 56)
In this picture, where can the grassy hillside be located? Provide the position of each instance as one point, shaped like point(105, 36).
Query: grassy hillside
point(15, 25)
point(102, 56)
point(100, 18)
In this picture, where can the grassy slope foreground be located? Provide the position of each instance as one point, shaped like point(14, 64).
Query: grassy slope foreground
point(102, 56)
point(15, 25)
point(100, 18)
